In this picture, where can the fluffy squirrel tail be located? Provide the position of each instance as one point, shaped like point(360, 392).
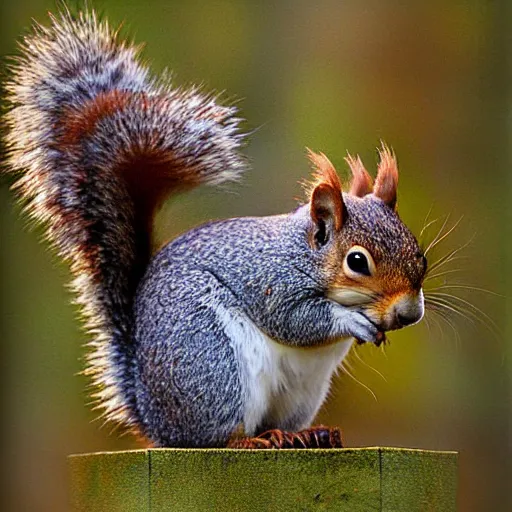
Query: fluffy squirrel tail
point(100, 144)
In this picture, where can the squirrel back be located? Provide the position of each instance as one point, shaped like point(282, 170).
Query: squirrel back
point(100, 144)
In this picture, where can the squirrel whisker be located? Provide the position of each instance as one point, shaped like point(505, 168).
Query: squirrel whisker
point(424, 228)
point(431, 315)
point(466, 287)
point(447, 258)
point(444, 316)
point(431, 277)
point(463, 308)
point(440, 237)
point(467, 306)
point(356, 354)
point(439, 232)
point(345, 367)
point(434, 304)
point(426, 224)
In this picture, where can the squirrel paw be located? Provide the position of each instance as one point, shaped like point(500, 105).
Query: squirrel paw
point(379, 340)
point(313, 437)
point(356, 324)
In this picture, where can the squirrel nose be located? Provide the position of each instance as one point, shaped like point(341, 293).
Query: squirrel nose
point(408, 310)
point(408, 319)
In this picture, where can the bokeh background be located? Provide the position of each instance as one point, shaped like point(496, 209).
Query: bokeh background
point(430, 78)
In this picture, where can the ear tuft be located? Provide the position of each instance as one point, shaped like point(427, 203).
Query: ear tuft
point(362, 182)
point(386, 182)
point(323, 172)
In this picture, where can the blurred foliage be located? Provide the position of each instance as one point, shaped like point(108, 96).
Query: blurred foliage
point(431, 80)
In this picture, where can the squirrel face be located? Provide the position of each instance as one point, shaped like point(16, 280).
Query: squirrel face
point(373, 263)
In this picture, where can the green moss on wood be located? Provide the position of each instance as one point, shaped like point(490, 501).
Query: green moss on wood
point(359, 479)
point(113, 482)
point(418, 480)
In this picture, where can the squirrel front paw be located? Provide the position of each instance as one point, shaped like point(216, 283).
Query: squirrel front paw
point(357, 325)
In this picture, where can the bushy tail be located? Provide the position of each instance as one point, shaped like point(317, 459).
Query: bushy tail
point(100, 144)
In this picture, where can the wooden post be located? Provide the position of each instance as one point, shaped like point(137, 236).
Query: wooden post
point(182, 480)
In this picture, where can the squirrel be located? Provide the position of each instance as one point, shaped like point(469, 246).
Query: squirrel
point(230, 334)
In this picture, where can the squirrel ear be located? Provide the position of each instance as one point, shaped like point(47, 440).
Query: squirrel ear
point(326, 200)
point(386, 182)
point(326, 212)
point(362, 182)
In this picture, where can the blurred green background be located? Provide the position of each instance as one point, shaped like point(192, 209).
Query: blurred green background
point(432, 79)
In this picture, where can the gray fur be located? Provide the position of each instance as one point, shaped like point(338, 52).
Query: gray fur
point(261, 266)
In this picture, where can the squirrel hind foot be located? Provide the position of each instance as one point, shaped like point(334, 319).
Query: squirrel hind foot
point(316, 437)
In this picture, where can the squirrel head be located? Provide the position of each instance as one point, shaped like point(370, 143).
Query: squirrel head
point(373, 263)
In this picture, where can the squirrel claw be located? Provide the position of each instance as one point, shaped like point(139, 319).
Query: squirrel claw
point(313, 438)
point(379, 339)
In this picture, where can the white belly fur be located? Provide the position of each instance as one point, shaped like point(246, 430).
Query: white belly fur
point(284, 386)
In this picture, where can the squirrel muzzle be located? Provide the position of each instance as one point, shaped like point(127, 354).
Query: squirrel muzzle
point(409, 311)
point(397, 311)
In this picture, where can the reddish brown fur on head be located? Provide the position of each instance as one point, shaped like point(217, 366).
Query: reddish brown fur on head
point(362, 182)
point(324, 171)
point(325, 192)
point(386, 182)
point(387, 177)
point(364, 222)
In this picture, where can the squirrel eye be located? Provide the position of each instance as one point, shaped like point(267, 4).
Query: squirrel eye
point(359, 262)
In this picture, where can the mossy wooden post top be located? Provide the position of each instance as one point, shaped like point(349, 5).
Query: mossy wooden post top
point(182, 480)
